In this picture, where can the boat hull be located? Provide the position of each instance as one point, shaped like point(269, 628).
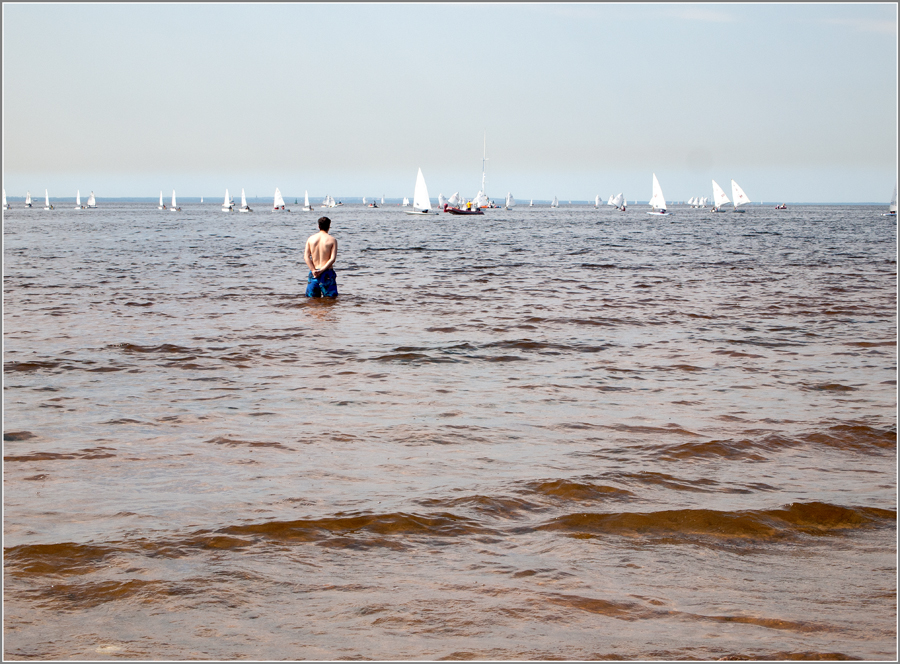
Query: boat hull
point(456, 211)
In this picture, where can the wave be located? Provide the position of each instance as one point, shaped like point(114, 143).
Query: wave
point(688, 525)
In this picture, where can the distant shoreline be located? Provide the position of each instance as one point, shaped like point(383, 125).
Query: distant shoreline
point(357, 200)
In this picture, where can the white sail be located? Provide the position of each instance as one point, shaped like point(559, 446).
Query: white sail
point(719, 197)
point(201, 199)
point(27, 199)
point(306, 205)
point(227, 204)
point(77, 200)
point(442, 201)
point(421, 201)
point(382, 199)
point(454, 200)
point(162, 206)
point(480, 200)
point(244, 206)
point(555, 202)
point(531, 203)
point(597, 201)
point(92, 202)
point(740, 198)
point(46, 200)
point(279, 201)
point(510, 201)
point(5, 204)
point(892, 208)
point(405, 202)
point(364, 200)
point(174, 206)
point(657, 201)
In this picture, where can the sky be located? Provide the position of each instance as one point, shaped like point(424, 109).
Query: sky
point(796, 102)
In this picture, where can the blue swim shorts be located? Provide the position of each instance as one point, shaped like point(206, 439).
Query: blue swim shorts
point(325, 285)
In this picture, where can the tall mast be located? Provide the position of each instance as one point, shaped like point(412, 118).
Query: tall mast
point(483, 160)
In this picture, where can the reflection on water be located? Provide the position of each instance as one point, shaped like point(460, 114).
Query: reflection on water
point(545, 434)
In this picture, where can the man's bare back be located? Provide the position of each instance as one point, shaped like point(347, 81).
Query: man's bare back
point(320, 252)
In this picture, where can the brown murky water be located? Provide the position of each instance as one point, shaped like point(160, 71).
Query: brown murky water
point(543, 434)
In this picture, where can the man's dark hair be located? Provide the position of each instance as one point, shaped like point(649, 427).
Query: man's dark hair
point(324, 224)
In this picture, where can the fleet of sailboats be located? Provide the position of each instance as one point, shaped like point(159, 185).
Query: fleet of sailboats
point(422, 203)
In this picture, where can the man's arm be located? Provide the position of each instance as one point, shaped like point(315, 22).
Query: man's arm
point(307, 256)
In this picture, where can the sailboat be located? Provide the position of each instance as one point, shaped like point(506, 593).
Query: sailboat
point(481, 199)
point(306, 206)
point(27, 199)
point(597, 201)
point(421, 200)
point(47, 205)
point(442, 202)
point(454, 201)
point(892, 208)
point(162, 206)
point(405, 202)
point(92, 202)
point(5, 204)
point(382, 199)
point(174, 207)
point(658, 201)
point(228, 203)
point(740, 198)
point(201, 199)
point(555, 203)
point(78, 199)
point(510, 201)
point(244, 206)
point(329, 202)
point(279, 201)
point(531, 203)
point(719, 198)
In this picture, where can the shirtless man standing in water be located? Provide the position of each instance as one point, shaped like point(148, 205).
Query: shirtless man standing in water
point(320, 254)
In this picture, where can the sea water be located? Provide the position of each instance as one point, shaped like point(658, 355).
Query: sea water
point(537, 434)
